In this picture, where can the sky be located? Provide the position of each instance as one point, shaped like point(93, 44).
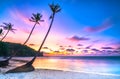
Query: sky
point(83, 27)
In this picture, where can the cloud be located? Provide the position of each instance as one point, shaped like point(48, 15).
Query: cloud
point(79, 45)
point(32, 44)
point(104, 26)
point(96, 50)
point(62, 48)
point(57, 51)
point(118, 48)
point(16, 14)
point(107, 48)
point(70, 50)
point(88, 47)
point(69, 46)
point(78, 48)
point(76, 38)
point(45, 48)
point(85, 51)
point(23, 20)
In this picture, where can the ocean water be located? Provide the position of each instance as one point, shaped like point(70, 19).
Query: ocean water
point(95, 65)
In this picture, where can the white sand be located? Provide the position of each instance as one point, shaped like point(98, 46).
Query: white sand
point(55, 74)
point(51, 74)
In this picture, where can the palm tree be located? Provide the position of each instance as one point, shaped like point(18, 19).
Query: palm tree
point(35, 18)
point(4, 63)
point(55, 9)
point(28, 66)
point(8, 27)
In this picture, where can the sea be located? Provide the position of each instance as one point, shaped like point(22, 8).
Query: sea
point(103, 65)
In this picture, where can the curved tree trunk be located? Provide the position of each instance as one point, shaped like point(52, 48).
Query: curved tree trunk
point(5, 35)
point(24, 68)
point(30, 34)
point(28, 66)
point(47, 33)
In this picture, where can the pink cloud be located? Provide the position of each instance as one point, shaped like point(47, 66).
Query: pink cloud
point(107, 47)
point(23, 20)
point(79, 45)
point(104, 26)
point(32, 44)
point(16, 14)
point(77, 39)
point(70, 50)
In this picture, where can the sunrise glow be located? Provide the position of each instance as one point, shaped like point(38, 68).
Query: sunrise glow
point(81, 28)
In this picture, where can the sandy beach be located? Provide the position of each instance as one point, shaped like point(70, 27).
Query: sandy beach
point(55, 74)
point(50, 73)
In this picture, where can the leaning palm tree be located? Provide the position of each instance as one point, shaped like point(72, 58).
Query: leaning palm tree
point(28, 66)
point(8, 27)
point(55, 9)
point(35, 18)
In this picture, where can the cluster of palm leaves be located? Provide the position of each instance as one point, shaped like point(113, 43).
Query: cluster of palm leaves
point(36, 18)
point(8, 27)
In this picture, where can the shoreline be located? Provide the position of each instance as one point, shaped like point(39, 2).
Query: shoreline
point(41, 73)
point(55, 74)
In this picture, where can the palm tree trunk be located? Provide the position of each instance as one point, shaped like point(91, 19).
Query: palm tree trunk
point(28, 66)
point(31, 62)
point(30, 34)
point(47, 33)
point(5, 35)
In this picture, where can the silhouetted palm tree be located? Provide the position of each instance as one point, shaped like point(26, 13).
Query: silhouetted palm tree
point(8, 27)
point(28, 66)
point(55, 8)
point(35, 18)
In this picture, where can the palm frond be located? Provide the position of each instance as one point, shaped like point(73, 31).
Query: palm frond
point(12, 31)
point(55, 8)
point(41, 20)
point(5, 23)
point(36, 18)
point(8, 26)
point(58, 10)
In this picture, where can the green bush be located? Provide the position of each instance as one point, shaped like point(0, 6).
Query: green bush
point(15, 49)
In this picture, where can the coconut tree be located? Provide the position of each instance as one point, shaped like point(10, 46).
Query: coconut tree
point(55, 8)
point(3, 63)
point(8, 27)
point(36, 18)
